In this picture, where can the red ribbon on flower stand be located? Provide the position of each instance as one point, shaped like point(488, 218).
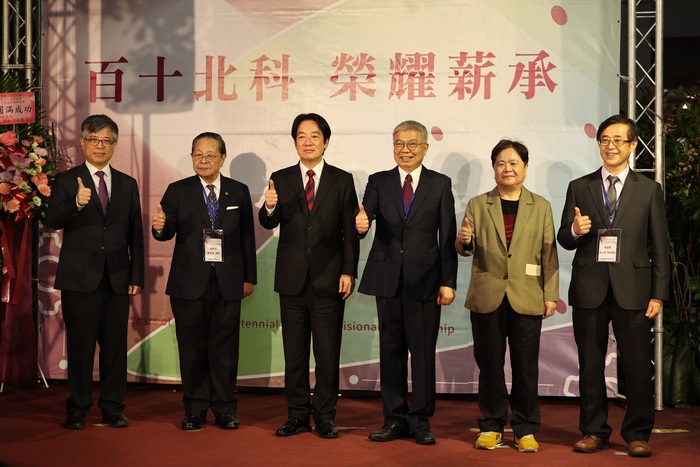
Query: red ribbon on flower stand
point(18, 352)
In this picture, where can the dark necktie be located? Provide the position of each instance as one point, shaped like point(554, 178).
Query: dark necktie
point(407, 193)
point(102, 191)
point(211, 204)
point(612, 193)
point(309, 190)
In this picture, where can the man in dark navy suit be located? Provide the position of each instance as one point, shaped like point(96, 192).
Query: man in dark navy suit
point(412, 271)
point(101, 263)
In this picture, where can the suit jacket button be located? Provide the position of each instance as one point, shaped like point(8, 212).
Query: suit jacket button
point(401, 250)
point(308, 251)
point(505, 276)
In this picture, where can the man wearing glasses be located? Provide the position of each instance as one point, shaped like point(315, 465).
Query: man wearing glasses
point(412, 271)
point(616, 221)
point(101, 264)
point(213, 269)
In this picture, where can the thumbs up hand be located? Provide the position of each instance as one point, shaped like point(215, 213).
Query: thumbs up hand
point(83, 196)
point(271, 198)
point(362, 221)
point(159, 219)
point(582, 224)
point(464, 235)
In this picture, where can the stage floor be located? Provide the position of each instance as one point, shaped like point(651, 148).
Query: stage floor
point(31, 434)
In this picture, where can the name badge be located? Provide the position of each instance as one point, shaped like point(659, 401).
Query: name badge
point(213, 245)
point(609, 243)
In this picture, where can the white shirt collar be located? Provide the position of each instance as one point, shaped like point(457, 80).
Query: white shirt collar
point(415, 175)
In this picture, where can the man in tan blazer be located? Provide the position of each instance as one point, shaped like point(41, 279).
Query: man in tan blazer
point(514, 285)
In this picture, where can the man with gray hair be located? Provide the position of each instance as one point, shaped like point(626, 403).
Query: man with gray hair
point(412, 271)
point(101, 264)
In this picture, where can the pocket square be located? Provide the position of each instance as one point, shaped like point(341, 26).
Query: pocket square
point(228, 208)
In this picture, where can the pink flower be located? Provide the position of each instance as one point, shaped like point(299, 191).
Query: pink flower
point(44, 190)
point(12, 205)
point(41, 152)
point(5, 188)
point(8, 138)
point(40, 179)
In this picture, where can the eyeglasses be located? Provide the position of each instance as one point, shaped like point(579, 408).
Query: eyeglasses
point(96, 141)
point(411, 145)
point(209, 157)
point(617, 142)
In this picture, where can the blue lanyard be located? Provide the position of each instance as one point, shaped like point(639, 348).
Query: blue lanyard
point(611, 212)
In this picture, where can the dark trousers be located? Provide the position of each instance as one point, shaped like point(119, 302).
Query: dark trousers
point(490, 331)
point(303, 316)
point(633, 334)
point(208, 334)
point(91, 318)
point(408, 325)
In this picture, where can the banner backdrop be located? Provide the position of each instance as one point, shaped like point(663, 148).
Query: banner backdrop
point(473, 71)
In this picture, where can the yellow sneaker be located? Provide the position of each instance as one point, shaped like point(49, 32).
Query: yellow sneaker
point(527, 444)
point(489, 440)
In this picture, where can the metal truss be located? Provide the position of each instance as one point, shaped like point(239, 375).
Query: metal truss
point(21, 39)
point(21, 51)
point(645, 93)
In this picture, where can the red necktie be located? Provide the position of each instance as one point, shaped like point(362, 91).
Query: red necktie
point(407, 193)
point(102, 191)
point(309, 190)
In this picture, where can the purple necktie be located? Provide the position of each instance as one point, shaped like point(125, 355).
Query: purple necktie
point(102, 191)
point(407, 193)
point(309, 190)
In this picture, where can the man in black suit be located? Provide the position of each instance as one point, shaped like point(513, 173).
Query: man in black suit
point(616, 222)
point(412, 271)
point(213, 268)
point(101, 263)
point(313, 202)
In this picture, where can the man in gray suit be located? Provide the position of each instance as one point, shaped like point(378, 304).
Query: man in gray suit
point(616, 221)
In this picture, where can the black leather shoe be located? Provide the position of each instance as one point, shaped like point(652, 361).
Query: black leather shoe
point(228, 421)
point(115, 420)
point(424, 437)
point(75, 421)
point(292, 427)
point(326, 428)
point(192, 422)
point(389, 432)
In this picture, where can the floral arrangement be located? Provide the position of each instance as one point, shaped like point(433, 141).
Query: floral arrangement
point(27, 168)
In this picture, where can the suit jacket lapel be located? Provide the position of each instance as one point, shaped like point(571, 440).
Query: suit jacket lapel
point(328, 183)
point(224, 199)
point(88, 182)
point(297, 184)
point(421, 194)
point(596, 191)
point(493, 200)
point(393, 181)
point(628, 193)
point(197, 197)
point(524, 212)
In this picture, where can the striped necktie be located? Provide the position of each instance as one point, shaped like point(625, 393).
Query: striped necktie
point(309, 190)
